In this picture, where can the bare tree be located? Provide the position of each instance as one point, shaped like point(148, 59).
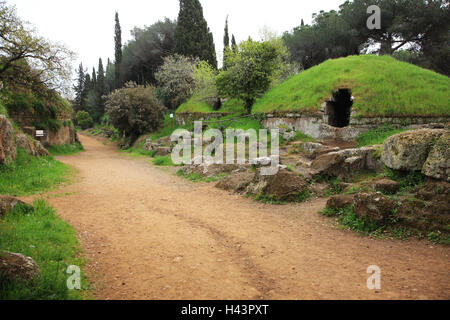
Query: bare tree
point(51, 62)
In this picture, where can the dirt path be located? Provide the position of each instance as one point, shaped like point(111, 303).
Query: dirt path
point(151, 235)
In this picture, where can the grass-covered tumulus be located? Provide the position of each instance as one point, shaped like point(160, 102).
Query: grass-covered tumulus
point(381, 86)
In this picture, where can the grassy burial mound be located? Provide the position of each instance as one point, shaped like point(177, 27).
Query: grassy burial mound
point(194, 105)
point(381, 87)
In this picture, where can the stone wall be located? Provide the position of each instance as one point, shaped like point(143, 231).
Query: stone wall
point(65, 135)
point(316, 126)
point(183, 118)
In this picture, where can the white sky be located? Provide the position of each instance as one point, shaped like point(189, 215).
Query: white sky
point(87, 26)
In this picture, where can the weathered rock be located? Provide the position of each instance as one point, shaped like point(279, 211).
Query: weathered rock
point(374, 207)
point(236, 182)
point(320, 189)
point(289, 135)
point(345, 163)
point(31, 146)
point(15, 266)
point(383, 185)
point(26, 144)
point(8, 150)
point(163, 151)
point(209, 170)
point(315, 150)
point(40, 150)
point(437, 164)
point(340, 201)
point(284, 186)
point(409, 150)
point(7, 205)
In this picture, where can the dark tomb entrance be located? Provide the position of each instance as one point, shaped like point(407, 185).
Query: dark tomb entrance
point(339, 108)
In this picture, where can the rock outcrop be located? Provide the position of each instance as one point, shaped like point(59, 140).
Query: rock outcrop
point(428, 209)
point(345, 163)
point(437, 164)
point(15, 266)
point(8, 204)
point(425, 150)
point(374, 207)
point(283, 186)
point(340, 201)
point(8, 149)
point(237, 182)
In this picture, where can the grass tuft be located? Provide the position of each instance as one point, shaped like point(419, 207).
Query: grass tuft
point(51, 242)
point(29, 175)
point(377, 136)
point(66, 149)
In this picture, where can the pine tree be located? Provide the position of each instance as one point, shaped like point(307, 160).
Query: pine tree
point(118, 52)
point(79, 88)
point(192, 35)
point(226, 44)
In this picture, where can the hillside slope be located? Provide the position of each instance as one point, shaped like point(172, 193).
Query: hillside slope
point(381, 86)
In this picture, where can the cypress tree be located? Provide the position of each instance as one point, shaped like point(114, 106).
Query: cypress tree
point(226, 44)
point(303, 23)
point(100, 91)
point(94, 80)
point(101, 79)
point(192, 35)
point(118, 52)
point(233, 43)
point(79, 89)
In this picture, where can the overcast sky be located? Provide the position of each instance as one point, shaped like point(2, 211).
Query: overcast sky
point(87, 26)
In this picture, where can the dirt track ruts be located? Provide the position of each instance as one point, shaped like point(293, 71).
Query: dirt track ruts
point(151, 235)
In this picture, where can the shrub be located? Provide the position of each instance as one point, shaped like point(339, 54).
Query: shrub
point(250, 72)
point(176, 80)
point(205, 84)
point(84, 120)
point(134, 110)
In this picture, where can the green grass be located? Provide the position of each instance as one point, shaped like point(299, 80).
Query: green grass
point(299, 197)
point(163, 161)
point(167, 129)
point(377, 136)
point(382, 86)
point(197, 177)
point(348, 219)
point(3, 110)
point(29, 175)
point(231, 106)
point(138, 152)
point(51, 242)
point(66, 149)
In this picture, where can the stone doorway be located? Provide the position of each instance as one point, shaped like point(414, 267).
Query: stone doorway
point(339, 109)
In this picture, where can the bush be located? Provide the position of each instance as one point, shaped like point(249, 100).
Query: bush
point(250, 72)
point(134, 110)
point(84, 120)
point(176, 80)
point(205, 84)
